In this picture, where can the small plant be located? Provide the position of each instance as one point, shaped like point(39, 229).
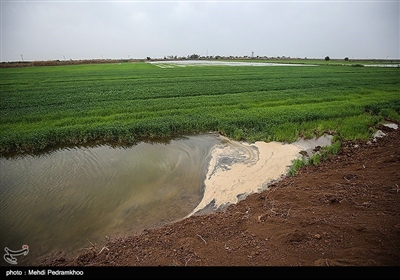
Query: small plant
point(330, 150)
point(390, 114)
point(315, 159)
point(297, 164)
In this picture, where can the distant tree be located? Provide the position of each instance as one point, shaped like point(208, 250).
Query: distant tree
point(346, 59)
point(327, 58)
point(148, 58)
point(194, 56)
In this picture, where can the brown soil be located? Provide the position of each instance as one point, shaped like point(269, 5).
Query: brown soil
point(343, 212)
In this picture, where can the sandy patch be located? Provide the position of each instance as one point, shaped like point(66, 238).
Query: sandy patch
point(237, 169)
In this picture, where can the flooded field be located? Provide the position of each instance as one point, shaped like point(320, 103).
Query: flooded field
point(59, 200)
point(63, 199)
point(184, 63)
point(382, 65)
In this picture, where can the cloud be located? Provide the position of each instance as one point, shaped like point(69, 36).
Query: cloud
point(42, 30)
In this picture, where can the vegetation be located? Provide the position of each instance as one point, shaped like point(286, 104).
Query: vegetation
point(129, 102)
point(297, 164)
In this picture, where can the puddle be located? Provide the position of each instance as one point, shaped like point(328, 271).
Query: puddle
point(308, 145)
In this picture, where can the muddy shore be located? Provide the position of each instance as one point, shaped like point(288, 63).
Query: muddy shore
point(343, 212)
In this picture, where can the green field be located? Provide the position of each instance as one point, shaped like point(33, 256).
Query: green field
point(124, 103)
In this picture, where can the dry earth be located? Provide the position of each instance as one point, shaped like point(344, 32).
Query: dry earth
point(343, 212)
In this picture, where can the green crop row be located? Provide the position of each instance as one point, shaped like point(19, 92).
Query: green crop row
point(42, 107)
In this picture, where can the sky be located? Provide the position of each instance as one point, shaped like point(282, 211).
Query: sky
point(70, 29)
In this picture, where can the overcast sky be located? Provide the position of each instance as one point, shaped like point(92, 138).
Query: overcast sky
point(70, 29)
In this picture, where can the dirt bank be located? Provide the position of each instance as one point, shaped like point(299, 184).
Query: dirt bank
point(343, 212)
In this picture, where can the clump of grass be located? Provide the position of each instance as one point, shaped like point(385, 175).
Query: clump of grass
point(330, 150)
point(358, 127)
point(297, 165)
point(316, 158)
point(390, 114)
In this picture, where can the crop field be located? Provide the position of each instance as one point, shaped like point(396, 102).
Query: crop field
point(123, 103)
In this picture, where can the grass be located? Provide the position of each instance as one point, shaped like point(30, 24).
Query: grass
point(129, 102)
point(316, 158)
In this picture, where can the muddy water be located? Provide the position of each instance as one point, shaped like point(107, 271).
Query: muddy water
point(59, 201)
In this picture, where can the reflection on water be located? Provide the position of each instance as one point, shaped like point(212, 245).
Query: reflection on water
point(60, 200)
point(184, 63)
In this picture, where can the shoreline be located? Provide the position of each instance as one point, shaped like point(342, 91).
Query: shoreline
point(341, 212)
point(238, 169)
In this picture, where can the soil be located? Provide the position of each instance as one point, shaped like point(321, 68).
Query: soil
point(345, 211)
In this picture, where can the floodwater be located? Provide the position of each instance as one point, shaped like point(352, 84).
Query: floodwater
point(382, 65)
point(64, 199)
point(59, 200)
point(184, 63)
